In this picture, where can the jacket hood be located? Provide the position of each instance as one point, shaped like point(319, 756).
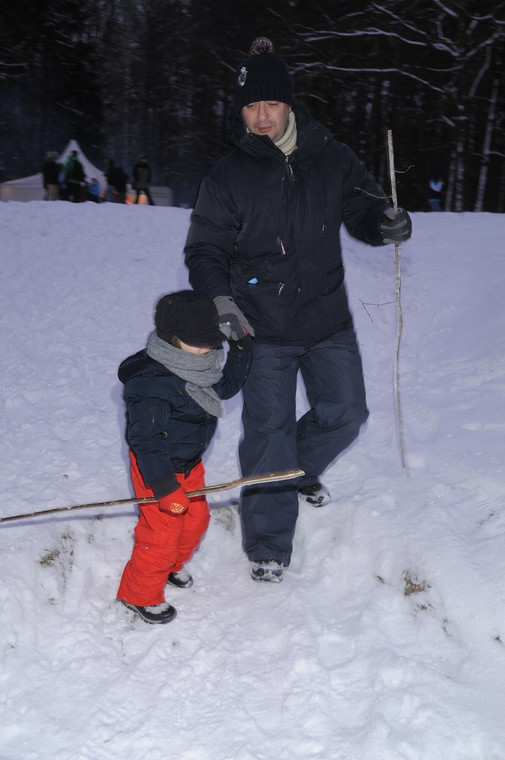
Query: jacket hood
point(137, 365)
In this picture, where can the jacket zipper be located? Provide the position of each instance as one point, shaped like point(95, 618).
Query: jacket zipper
point(280, 287)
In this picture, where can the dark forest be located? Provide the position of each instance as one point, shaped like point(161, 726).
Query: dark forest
point(125, 77)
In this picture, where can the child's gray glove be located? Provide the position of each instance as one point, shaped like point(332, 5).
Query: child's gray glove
point(231, 320)
point(395, 228)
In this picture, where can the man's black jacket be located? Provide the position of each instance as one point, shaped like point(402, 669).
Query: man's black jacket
point(266, 230)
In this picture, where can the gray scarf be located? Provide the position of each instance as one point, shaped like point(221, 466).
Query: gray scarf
point(201, 371)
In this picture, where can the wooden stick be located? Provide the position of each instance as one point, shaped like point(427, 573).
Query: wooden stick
point(399, 419)
point(272, 477)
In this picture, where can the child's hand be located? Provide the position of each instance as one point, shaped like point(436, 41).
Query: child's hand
point(175, 503)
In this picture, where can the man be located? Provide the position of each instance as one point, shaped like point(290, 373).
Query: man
point(435, 199)
point(50, 174)
point(264, 243)
point(110, 175)
point(74, 178)
point(142, 179)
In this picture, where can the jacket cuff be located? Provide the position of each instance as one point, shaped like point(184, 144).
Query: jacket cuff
point(244, 344)
point(166, 486)
point(371, 224)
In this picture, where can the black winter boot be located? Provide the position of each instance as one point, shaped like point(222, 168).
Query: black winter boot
point(181, 579)
point(267, 570)
point(156, 613)
point(316, 495)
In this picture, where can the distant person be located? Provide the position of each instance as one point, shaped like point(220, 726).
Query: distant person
point(74, 178)
point(173, 391)
point(50, 175)
point(93, 191)
point(435, 199)
point(142, 179)
point(110, 176)
point(120, 184)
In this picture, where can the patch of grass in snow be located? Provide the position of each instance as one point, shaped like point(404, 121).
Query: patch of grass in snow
point(412, 585)
point(49, 558)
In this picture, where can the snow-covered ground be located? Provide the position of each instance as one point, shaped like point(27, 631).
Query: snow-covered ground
point(386, 639)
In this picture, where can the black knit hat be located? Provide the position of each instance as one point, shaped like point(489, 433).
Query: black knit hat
point(263, 76)
point(191, 317)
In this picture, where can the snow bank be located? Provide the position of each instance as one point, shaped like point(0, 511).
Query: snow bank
point(385, 639)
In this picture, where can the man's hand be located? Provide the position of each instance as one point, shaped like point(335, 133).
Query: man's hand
point(395, 228)
point(231, 320)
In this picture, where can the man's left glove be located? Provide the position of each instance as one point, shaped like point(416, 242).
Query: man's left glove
point(231, 320)
point(395, 228)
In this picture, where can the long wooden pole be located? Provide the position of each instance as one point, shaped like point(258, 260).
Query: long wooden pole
point(238, 483)
point(399, 419)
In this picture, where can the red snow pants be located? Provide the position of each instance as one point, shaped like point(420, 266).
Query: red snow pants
point(163, 541)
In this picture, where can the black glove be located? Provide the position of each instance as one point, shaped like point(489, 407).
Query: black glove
point(395, 228)
point(244, 344)
point(231, 320)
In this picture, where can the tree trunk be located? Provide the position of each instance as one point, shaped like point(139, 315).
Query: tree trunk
point(486, 148)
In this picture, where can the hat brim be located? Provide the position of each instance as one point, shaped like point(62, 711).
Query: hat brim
point(212, 339)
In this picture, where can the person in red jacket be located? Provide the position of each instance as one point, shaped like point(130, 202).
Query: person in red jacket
point(173, 391)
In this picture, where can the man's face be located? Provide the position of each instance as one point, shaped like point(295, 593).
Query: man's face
point(267, 117)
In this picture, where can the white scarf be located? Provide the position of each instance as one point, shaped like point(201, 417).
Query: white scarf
point(287, 143)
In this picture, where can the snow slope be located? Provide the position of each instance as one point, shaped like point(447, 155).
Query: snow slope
point(386, 639)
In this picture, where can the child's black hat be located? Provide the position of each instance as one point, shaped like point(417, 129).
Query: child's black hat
point(189, 316)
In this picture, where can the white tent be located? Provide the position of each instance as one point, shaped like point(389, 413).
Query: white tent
point(32, 188)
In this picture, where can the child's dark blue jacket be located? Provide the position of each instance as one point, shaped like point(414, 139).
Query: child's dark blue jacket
point(165, 428)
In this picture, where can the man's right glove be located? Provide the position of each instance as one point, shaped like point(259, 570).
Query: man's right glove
point(231, 320)
point(395, 228)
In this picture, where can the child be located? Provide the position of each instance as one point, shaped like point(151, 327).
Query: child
point(173, 391)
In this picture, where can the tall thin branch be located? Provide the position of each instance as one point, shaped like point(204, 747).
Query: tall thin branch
point(399, 419)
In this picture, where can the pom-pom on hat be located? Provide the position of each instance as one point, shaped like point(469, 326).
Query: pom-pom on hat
point(189, 316)
point(263, 76)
